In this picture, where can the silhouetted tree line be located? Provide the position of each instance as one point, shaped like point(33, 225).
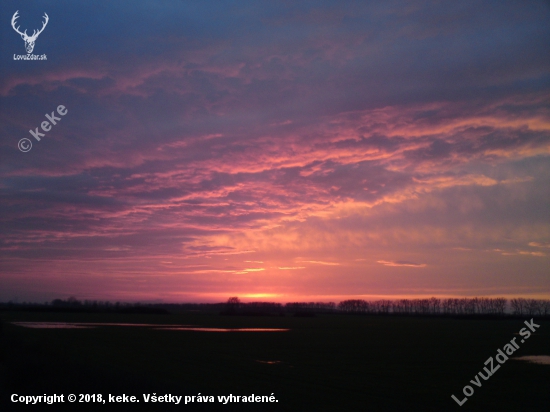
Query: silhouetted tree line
point(432, 306)
point(315, 307)
point(74, 305)
point(530, 307)
point(234, 306)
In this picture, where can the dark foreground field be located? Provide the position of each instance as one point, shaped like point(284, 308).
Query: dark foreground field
point(324, 363)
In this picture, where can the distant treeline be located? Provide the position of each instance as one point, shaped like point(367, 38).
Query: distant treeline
point(431, 306)
point(451, 306)
point(74, 305)
point(234, 306)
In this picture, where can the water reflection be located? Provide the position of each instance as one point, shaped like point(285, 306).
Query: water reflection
point(226, 330)
point(540, 359)
point(79, 325)
point(52, 325)
point(145, 325)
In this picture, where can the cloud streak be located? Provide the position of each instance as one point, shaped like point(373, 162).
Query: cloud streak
point(401, 263)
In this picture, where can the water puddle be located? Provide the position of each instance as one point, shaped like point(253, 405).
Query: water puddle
point(227, 330)
point(78, 325)
point(540, 359)
point(143, 325)
point(52, 325)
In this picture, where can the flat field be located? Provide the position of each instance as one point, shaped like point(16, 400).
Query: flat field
point(323, 363)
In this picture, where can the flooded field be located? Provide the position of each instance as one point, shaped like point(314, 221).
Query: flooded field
point(323, 363)
point(67, 325)
point(538, 359)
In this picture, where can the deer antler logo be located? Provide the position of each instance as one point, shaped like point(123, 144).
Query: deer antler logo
point(29, 40)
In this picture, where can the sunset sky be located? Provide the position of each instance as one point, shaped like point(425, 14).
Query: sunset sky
point(279, 151)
